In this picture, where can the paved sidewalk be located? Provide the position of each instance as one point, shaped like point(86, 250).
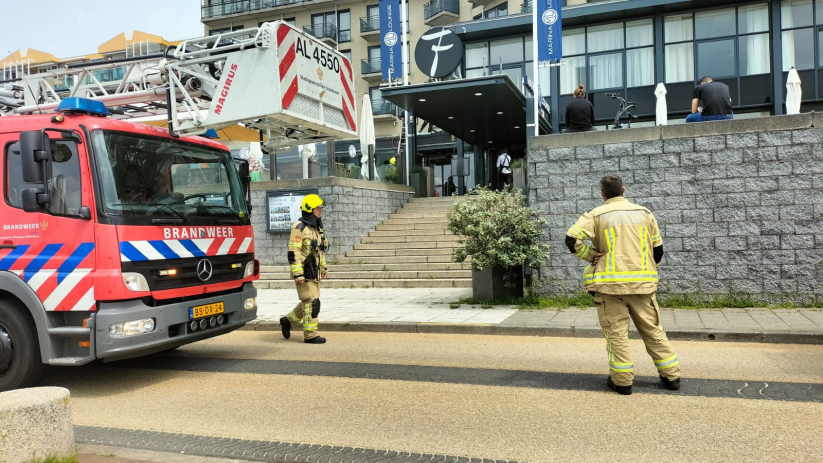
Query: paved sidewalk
point(428, 311)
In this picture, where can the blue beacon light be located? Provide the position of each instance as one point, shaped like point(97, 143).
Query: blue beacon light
point(83, 105)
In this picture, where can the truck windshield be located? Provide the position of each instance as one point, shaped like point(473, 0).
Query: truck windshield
point(154, 176)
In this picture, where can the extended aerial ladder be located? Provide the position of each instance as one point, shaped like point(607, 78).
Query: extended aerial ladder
point(274, 78)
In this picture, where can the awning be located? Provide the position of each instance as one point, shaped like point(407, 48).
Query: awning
point(485, 111)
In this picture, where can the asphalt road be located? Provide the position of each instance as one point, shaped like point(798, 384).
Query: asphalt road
point(430, 396)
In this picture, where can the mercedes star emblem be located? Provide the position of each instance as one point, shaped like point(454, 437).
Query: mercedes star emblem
point(204, 270)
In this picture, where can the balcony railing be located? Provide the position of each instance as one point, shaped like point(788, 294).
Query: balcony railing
point(369, 24)
point(438, 6)
point(526, 7)
point(370, 66)
point(380, 106)
point(322, 31)
point(226, 7)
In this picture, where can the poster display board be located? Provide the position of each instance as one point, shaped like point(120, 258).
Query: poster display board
point(283, 208)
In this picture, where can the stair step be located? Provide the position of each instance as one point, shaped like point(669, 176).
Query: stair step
point(411, 232)
point(407, 283)
point(442, 221)
point(68, 361)
point(441, 199)
point(400, 238)
point(419, 267)
point(412, 226)
point(419, 215)
point(396, 260)
point(380, 275)
point(414, 245)
point(399, 252)
point(70, 331)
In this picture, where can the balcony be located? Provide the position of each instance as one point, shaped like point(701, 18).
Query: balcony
point(441, 12)
point(326, 32)
point(370, 70)
point(370, 28)
point(382, 109)
point(219, 8)
point(526, 7)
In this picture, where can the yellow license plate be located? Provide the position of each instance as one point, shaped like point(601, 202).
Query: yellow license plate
point(206, 310)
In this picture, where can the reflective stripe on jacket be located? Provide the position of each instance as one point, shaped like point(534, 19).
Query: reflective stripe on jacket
point(625, 233)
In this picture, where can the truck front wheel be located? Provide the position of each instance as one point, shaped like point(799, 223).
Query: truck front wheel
point(20, 364)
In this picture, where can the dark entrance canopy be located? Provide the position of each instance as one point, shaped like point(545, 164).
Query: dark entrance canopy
point(485, 111)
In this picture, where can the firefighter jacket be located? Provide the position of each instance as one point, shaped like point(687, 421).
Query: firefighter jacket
point(627, 234)
point(307, 251)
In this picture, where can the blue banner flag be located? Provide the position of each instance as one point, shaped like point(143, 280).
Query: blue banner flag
point(549, 31)
point(391, 60)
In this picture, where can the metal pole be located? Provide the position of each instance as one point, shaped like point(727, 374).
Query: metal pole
point(534, 67)
point(405, 70)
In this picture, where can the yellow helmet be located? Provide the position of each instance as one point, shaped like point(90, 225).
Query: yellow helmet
point(392, 162)
point(310, 202)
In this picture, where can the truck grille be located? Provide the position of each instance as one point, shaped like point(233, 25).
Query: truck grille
point(221, 270)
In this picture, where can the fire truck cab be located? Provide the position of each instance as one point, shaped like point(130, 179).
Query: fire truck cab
point(116, 240)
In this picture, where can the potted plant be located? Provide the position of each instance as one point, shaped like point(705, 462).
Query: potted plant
point(500, 233)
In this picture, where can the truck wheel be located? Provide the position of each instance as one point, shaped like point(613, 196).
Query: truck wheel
point(20, 363)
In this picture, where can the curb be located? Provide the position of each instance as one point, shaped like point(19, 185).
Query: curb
point(772, 337)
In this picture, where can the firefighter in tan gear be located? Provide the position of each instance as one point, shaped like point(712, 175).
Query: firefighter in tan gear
point(624, 253)
point(307, 261)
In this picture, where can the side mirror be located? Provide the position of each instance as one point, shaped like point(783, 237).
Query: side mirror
point(84, 213)
point(34, 199)
point(35, 155)
point(245, 179)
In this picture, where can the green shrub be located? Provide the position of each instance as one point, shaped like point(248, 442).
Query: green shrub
point(497, 229)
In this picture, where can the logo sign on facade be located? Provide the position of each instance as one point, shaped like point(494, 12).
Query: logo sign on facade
point(391, 60)
point(438, 53)
point(549, 30)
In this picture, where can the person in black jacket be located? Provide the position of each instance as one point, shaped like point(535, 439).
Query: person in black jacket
point(579, 112)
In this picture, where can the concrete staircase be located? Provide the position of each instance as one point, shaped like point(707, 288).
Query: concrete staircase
point(410, 249)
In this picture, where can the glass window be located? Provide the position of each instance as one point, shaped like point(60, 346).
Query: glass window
point(507, 51)
point(528, 47)
point(796, 13)
point(606, 71)
point(344, 26)
point(714, 23)
point(572, 74)
point(498, 11)
point(640, 67)
point(64, 185)
point(374, 53)
point(477, 54)
point(347, 54)
point(479, 72)
point(798, 49)
point(606, 37)
point(574, 42)
point(754, 54)
point(677, 28)
point(545, 84)
point(716, 58)
point(639, 33)
point(753, 18)
point(373, 11)
point(679, 62)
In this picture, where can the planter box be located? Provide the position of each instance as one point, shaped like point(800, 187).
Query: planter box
point(489, 283)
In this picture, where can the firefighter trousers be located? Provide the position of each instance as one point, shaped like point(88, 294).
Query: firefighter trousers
point(307, 310)
point(614, 311)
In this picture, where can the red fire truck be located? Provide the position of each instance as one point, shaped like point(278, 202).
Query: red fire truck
point(120, 239)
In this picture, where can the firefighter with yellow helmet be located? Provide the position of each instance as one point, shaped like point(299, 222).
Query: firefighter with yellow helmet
point(624, 252)
point(307, 261)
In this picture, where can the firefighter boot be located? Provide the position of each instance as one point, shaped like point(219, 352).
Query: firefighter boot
point(285, 327)
point(671, 384)
point(622, 390)
point(315, 340)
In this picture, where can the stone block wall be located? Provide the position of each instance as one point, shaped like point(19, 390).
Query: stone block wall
point(351, 209)
point(739, 203)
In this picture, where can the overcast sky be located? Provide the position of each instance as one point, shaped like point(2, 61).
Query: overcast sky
point(74, 28)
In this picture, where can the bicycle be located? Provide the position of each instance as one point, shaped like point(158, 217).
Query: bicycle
point(624, 108)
